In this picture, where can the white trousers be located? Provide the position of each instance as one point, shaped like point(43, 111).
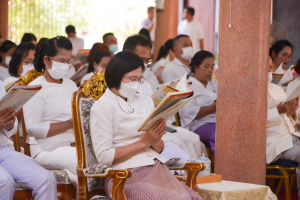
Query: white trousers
point(31, 176)
point(60, 158)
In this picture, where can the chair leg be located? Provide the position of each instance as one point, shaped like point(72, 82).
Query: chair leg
point(278, 189)
point(292, 182)
point(287, 187)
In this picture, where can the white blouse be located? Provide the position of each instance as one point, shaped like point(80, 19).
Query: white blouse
point(160, 62)
point(9, 80)
point(4, 74)
point(111, 127)
point(204, 96)
point(52, 104)
point(174, 70)
point(87, 77)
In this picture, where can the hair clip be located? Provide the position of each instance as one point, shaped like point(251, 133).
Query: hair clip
point(57, 37)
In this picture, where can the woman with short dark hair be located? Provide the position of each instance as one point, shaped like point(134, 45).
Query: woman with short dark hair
point(29, 37)
point(118, 143)
point(6, 50)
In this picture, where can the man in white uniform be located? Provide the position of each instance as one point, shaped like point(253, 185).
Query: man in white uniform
point(77, 44)
point(194, 29)
point(19, 167)
point(182, 47)
point(111, 41)
point(149, 24)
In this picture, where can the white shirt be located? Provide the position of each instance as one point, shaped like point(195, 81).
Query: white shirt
point(4, 74)
point(4, 134)
point(291, 86)
point(52, 104)
point(158, 64)
point(9, 80)
point(204, 96)
point(77, 43)
point(147, 23)
point(87, 77)
point(146, 89)
point(151, 78)
point(194, 30)
point(71, 72)
point(174, 70)
point(279, 127)
point(118, 128)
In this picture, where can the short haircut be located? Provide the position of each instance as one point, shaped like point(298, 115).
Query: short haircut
point(104, 37)
point(28, 37)
point(122, 63)
point(145, 33)
point(50, 48)
point(97, 59)
point(42, 41)
point(278, 46)
point(21, 52)
point(70, 29)
point(198, 59)
point(190, 10)
point(7, 45)
point(150, 8)
point(134, 40)
point(177, 38)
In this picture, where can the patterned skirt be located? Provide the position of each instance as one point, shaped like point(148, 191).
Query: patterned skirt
point(153, 182)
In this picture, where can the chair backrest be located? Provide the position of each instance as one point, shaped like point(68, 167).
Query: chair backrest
point(82, 103)
point(177, 119)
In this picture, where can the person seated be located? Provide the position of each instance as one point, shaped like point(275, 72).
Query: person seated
point(145, 33)
point(77, 44)
point(21, 62)
point(6, 51)
point(142, 47)
point(164, 57)
point(97, 64)
point(282, 138)
point(199, 115)
point(96, 48)
point(118, 144)
point(42, 41)
point(29, 37)
point(111, 41)
point(19, 167)
point(183, 49)
point(48, 115)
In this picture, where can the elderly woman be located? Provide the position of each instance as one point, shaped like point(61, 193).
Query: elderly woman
point(199, 115)
point(118, 144)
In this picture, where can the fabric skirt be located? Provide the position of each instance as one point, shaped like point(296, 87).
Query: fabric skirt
point(207, 133)
point(153, 182)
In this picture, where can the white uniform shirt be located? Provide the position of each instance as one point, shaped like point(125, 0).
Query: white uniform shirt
point(4, 74)
point(71, 72)
point(174, 70)
point(147, 23)
point(9, 80)
point(87, 77)
point(4, 134)
point(146, 89)
point(194, 30)
point(77, 43)
point(204, 96)
point(159, 63)
point(151, 78)
point(291, 86)
point(52, 104)
point(118, 128)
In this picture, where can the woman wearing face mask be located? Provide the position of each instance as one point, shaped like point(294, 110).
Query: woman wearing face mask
point(6, 51)
point(97, 64)
point(199, 115)
point(48, 115)
point(118, 144)
point(21, 62)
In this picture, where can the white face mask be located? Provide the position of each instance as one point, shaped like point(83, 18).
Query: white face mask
point(113, 48)
point(147, 72)
point(188, 53)
point(128, 90)
point(26, 68)
point(270, 77)
point(58, 70)
point(7, 60)
point(100, 69)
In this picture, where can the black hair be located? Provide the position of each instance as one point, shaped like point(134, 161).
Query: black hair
point(190, 10)
point(177, 38)
point(150, 8)
point(50, 48)
point(21, 52)
point(198, 59)
point(28, 37)
point(134, 40)
point(6, 45)
point(122, 63)
point(105, 36)
point(70, 29)
point(42, 41)
point(97, 59)
point(297, 67)
point(145, 33)
point(278, 46)
point(164, 49)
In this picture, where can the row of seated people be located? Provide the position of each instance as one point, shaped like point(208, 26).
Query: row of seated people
point(49, 123)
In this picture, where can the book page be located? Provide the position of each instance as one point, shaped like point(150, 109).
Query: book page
point(294, 94)
point(161, 93)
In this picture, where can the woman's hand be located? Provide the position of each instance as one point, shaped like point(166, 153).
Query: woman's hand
point(289, 107)
point(7, 119)
point(153, 135)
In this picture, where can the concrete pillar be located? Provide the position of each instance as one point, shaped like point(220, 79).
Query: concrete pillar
point(4, 19)
point(242, 90)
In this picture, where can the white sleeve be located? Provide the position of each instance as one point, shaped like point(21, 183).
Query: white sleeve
point(81, 44)
point(145, 25)
point(102, 132)
point(168, 75)
point(200, 32)
point(33, 113)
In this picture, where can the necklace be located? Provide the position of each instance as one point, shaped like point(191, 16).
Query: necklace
point(128, 105)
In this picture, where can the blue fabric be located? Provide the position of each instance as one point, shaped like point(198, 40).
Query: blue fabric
point(285, 163)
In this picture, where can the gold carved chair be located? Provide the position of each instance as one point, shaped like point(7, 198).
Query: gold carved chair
point(65, 189)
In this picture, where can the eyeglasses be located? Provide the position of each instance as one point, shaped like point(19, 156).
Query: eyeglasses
point(69, 62)
point(27, 62)
point(140, 80)
point(286, 56)
point(147, 61)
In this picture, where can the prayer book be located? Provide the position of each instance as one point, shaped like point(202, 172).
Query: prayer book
point(18, 96)
point(276, 78)
point(168, 101)
point(294, 94)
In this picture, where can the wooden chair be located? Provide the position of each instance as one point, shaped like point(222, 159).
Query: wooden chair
point(286, 170)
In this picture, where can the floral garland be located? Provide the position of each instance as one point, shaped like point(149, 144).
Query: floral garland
point(96, 86)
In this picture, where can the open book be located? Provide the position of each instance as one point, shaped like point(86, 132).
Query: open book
point(18, 96)
point(294, 94)
point(168, 101)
